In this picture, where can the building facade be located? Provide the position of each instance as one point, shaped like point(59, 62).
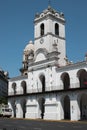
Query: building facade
point(50, 86)
point(3, 84)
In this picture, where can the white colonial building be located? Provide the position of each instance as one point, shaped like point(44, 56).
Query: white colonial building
point(50, 87)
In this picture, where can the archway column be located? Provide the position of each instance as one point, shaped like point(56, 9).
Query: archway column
point(61, 84)
point(74, 107)
point(38, 111)
point(51, 107)
point(61, 111)
point(19, 112)
point(77, 82)
point(50, 111)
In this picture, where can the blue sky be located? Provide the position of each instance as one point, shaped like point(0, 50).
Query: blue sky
point(17, 28)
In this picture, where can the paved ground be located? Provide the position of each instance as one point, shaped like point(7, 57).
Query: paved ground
point(20, 124)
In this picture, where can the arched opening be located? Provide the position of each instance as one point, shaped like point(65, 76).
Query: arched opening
point(23, 105)
point(14, 88)
point(23, 84)
point(42, 29)
point(67, 108)
point(42, 79)
point(14, 108)
point(56, 29)
point(41, 102)
point(82, 75)
point(83, 107)
point(66, 80)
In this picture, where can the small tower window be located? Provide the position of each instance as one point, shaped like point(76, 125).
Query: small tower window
point(42, 29)
point(56, 29)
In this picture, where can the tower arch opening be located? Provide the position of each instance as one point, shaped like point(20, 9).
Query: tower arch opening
point(42, 29)
point(56, 29)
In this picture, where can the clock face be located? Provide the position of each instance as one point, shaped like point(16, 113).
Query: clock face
point(41, 40)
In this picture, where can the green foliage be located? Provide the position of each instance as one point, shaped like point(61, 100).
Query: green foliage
point(3, 100)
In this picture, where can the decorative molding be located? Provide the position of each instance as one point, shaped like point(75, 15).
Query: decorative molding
point(49, 33)
point(41, 50)
point(51, 16)
point(43, 64)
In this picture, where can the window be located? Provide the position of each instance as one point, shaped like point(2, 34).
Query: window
point(56, 29)
point(42, 29)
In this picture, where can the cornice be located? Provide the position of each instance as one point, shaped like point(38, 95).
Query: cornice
point(43, 64)
point(49, 33)
point(72, 66)
point(51, 16)
point(59, 92)
point(18, 78)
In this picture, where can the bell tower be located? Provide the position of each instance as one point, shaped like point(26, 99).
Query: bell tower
point(49, 30)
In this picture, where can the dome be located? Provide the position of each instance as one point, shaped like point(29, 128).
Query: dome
point(29, 47)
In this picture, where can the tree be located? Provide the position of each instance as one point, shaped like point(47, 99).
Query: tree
point(3, 100)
